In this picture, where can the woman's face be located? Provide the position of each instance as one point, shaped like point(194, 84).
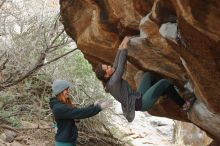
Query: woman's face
point(65, 95)
point(108, 69)
point(66, 92)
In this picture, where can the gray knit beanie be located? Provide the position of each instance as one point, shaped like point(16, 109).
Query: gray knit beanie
point(58, 86)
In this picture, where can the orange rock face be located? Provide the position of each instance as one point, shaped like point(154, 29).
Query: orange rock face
point(177, 39)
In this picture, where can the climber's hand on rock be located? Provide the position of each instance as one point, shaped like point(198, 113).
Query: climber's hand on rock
point(124, 43)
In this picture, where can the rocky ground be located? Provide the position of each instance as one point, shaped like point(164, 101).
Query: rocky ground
point(145, 130)
point(29, 135)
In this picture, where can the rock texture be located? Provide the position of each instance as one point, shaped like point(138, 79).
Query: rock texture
point(195, 137)
point(177, 39)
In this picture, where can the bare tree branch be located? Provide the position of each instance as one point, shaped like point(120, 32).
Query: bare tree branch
point(2, 3)
point(59, 57)
point(54, 40)
point(2, 65)
point(40, 63)
point(9, 128)
point(37, 65)
point(46, 36)
point(54, 48)
point(2, 54)
point(7, 79)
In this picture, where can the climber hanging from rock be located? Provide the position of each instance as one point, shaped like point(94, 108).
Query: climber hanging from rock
point(150, 89)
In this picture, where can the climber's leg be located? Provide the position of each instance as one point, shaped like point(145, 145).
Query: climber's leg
point(153, 93)
point(173, 95)
point(147, 81)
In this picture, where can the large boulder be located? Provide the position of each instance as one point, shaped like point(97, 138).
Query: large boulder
point(177, 39)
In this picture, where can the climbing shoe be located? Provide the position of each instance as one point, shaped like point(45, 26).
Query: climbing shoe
point(188, 104)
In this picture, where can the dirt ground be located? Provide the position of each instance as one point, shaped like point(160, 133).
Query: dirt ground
point(32, 135)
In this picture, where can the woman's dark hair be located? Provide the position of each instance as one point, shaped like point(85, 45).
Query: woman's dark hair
point(100, 74)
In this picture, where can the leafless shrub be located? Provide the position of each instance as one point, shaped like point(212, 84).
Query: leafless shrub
point(28, 40)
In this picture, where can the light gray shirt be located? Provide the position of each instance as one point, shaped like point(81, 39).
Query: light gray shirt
point(120, 89)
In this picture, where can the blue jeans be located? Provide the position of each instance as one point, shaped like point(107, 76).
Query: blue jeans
point(152, 87)
point(64, 143)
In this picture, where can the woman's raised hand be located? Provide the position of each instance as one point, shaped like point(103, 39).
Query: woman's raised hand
point(104, 104)
point(124, 43)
